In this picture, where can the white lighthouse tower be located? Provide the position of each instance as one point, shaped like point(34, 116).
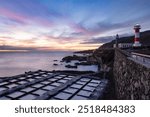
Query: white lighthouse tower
point(137, 43)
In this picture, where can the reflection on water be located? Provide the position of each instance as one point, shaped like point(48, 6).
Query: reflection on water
point(17, 63)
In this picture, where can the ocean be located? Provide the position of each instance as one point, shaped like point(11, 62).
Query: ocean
point(14, 63)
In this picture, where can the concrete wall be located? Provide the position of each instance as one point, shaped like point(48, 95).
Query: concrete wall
point(132, 80)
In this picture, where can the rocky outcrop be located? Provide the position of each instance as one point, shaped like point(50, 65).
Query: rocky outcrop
point(74, 57)
point(86, 63)
point(105, 59)
point(55, 64)
point(71, 66)
point(106, 55)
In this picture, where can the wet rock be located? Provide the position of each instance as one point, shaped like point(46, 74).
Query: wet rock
point(55, 64)
point(55, 60)
point(71, 66)
point(85, 63)
point(74, 57)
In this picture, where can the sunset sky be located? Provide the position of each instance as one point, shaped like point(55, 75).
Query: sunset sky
point(68, 24)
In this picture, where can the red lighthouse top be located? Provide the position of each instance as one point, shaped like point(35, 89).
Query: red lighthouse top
point(137, 26)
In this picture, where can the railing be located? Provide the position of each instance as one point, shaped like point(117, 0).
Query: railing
point(141, 57)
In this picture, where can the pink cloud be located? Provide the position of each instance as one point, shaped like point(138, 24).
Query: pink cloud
point(24, 19)
point(80, 29)
point(12, 15)
point(4, 37)
point(43, 22)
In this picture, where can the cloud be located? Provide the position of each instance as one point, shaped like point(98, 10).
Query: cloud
point(105, 39)
point(28, 12)
point(13, 16)
point(122, 27)
point(98, 40)
point(6, 47)
point(43, 22)
point(5, 37)
point(103, 27)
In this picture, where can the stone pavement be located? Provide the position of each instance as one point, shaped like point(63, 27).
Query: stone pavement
point(46, 85)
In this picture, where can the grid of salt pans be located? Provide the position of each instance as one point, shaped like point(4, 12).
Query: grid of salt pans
point(41, 85)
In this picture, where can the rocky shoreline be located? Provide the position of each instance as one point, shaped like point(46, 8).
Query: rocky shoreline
point(79, 60)
point(68, 59)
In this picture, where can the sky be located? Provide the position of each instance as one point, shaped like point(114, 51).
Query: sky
point(27, 25)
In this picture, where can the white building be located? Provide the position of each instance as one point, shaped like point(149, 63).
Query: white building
point(124, 45)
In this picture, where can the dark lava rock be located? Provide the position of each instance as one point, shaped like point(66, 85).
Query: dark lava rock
point(55, 60)
point(70, 66)
point(74, 57)
point(106, 55)
point(55, 64)
point(85, 63)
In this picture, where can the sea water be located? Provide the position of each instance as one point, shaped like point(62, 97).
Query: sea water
point(14, 63)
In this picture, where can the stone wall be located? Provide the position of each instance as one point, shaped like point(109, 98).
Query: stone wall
point(132, 80)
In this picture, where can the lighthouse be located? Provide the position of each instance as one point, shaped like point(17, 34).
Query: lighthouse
point(137, 43)
point(117, 38)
